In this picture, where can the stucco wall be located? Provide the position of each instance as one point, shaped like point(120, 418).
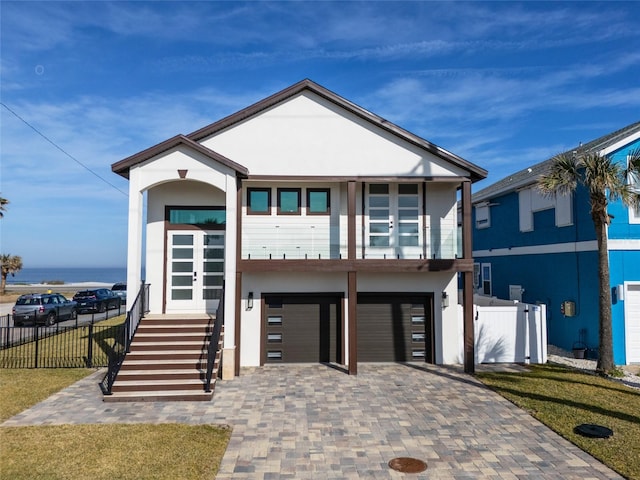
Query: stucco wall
point(445, 320)
point(308, 135)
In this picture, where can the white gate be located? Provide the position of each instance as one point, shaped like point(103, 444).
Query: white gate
point(508, 332)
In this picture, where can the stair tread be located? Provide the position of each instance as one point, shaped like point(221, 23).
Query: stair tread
point(163, 393)
point(156, 361)
point(194, 381)
point(168, 352)
point(166, 371)
point(170, 342)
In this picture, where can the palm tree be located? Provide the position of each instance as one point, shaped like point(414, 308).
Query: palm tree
point(606, 181)
point(11, 264)
point(3, 202)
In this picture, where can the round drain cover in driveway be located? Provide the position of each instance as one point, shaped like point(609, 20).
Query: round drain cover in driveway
point(408, 465)
point(593, 431)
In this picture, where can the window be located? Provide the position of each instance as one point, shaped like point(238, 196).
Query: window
point(289, 201)
point(258, 201)
point(197, 216)
point(531, 201)
point(486, 279)
point(476, 276)
point(634, 181)
point(318, 201)
point(483, 219)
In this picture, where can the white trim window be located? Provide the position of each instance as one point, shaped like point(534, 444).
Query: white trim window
point(485, 278)
point(531, 201)
point(634, 180)
point(483, 216)
point(476, 277)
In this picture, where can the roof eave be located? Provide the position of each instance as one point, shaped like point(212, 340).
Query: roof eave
point(123, 166)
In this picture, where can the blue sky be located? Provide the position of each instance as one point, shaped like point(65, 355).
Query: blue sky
point(502, 84)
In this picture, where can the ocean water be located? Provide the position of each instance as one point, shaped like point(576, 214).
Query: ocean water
point(69, 275)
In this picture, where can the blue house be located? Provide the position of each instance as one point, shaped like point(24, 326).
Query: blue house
point(536, 249)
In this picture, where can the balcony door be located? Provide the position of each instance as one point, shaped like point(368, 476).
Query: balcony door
point(195, 270)
point(393, 222)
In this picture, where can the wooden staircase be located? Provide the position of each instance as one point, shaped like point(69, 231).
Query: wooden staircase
point(167, 361)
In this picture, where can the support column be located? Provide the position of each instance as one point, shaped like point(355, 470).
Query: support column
point(238, 279)
point(231, 338)
point(467, 284)
point(134, 246)
point(352, 281)
point(353, 322)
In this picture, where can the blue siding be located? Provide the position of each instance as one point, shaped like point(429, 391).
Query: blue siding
point(504, 231)
point(620, 227)
point(552, 279)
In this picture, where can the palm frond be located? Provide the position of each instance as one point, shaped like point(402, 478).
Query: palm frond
point(563, 176)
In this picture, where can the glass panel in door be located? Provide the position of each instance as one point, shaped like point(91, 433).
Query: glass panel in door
point(393, 221)
point(195, 271)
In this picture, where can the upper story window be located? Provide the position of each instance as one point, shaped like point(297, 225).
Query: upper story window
point(289, 201)
point(318, 201)
point(531, 201)
point(634, 181)
point(259, 201)
point(483, 217)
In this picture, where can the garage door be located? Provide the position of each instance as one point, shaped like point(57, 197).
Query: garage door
point(395, 328)
point(302, 328)
point(632, 323)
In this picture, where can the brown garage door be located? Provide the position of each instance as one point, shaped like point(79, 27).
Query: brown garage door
point(302, 328)
point(395, 328)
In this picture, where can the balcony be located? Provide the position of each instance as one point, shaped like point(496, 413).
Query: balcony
point(323, 242)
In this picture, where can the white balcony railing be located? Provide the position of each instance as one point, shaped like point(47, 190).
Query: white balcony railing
point(311, 242)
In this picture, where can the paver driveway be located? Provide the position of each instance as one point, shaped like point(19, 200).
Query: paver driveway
point(316, 422)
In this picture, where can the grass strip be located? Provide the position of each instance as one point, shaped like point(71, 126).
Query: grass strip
point(23, 388)
point(124, 452)
point(564, 398)
point(98, 451)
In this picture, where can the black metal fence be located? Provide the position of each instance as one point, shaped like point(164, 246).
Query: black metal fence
point(58, 346)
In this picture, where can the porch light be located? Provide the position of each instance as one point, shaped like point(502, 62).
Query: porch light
point(250, 301)
point(445, 300)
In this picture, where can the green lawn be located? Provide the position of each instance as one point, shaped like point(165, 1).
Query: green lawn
point(79, 452)
point(563, 398)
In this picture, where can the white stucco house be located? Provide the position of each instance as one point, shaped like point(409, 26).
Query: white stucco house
point(333, 232)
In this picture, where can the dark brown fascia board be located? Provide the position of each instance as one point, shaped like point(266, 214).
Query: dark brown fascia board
point(476, 172)
point(335, 179)
point(356, 265)
point(122, 167)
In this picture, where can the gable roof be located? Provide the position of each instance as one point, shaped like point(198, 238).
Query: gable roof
point(475, 172)
point(122, 167)
point(530, 175)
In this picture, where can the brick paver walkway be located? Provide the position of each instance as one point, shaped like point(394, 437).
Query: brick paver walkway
point(316, 422)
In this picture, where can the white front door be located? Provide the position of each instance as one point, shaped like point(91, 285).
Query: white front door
point(195, 270)
point(393, 221)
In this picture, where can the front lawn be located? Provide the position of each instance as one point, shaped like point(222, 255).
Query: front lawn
point(100, 452)
point(563, 398)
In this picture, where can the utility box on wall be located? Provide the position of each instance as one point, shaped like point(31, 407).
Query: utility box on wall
point(568, 308)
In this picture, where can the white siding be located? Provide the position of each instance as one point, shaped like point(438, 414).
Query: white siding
point(308, 135)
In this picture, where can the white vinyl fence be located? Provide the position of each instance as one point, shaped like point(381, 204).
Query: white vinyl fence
point(508, 332)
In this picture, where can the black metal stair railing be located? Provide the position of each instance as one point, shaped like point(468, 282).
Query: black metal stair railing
point(212, 351)
point(121, 346)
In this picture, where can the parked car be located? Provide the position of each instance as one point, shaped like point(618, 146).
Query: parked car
point(46, 308)
point(120, 289)
point(96, 300)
